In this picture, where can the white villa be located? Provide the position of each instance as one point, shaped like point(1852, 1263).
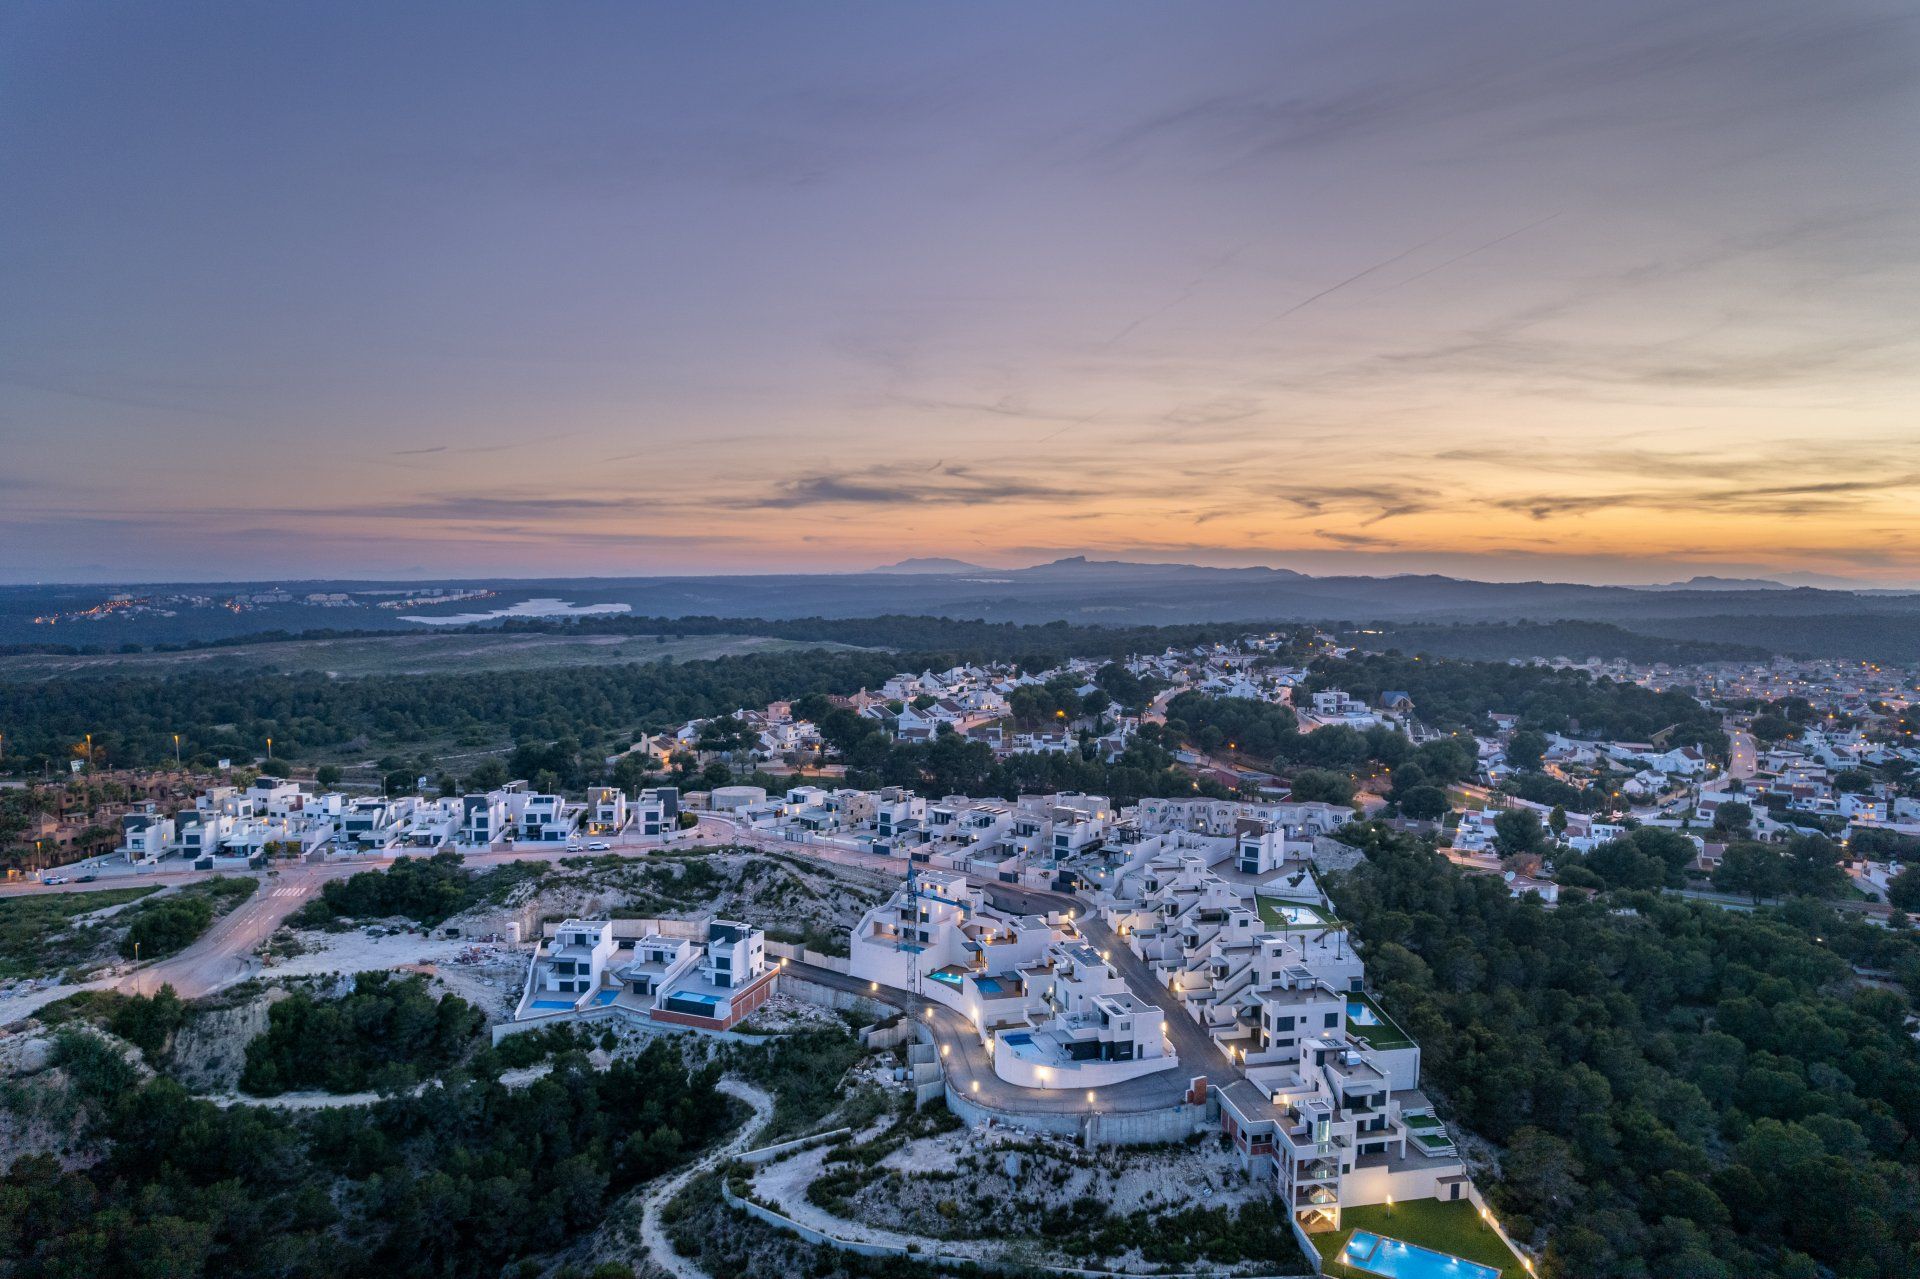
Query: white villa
point(706, 974)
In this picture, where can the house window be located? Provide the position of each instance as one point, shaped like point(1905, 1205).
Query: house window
point(1333, 1019)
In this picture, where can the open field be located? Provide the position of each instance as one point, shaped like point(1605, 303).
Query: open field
point(461, 653)
point(38, 935)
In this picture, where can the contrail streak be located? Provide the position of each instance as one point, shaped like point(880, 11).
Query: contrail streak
point(1461, 257)
point(1352, 279)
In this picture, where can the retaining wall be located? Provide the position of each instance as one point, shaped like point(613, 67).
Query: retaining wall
point(1095, 1127)
point(801, 955)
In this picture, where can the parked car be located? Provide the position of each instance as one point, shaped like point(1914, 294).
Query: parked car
point(599, 846)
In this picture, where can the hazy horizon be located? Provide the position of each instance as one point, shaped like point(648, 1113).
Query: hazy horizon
point(1791, 579)
point(1618, 294)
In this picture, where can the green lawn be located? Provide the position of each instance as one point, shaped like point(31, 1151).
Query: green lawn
point(37, 936)
point(1309, 916)
point(1454, 1228)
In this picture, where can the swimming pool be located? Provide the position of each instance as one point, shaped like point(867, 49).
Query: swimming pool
point(1379, 1255)
point(1359, 1014)
point(1019, 1038)
point(987, 985)
point(952, 979)
point(547, 1005)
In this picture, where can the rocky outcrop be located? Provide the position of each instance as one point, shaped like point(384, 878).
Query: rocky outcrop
point(209, 1051)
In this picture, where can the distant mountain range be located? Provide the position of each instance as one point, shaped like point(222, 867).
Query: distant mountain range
point(930, 564)
point(1719, 584)
point(1875, 624)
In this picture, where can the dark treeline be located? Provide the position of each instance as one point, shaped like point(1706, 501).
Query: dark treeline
point(387, 1032)
point(425, 889)
point(1678, 1090)
point(133, 718)
point(1498, 641)
point(955, 765)
point(231, 714)
point(958, 639)
point(461, 1180)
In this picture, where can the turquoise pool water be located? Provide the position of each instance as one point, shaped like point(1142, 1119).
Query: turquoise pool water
point(952, 979)
point(988, 985)
point(550, 1004)
point(605, 997)
point(1358, 1014)
point(1379, 1255)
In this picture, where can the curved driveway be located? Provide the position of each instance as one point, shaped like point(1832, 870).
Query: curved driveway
point(967, 1063)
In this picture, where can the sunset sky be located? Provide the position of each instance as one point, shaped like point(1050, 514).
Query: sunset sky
point(1625, 292)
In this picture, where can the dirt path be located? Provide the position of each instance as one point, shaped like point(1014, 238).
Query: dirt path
point(652, 1234)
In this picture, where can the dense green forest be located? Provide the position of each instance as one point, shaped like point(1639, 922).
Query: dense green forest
point(1498, 641)
point(427, 889)
point(955, 765)
point(133, 718)
point(461, 1180)
point(386, 1033)
point(231, 714)
point(1678, 1091)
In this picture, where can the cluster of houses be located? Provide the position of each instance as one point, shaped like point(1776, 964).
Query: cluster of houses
point(275, 815)
point(1219, 903)
point(973, 700)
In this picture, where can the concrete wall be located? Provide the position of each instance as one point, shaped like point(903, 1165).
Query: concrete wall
point(1373, 1185)
point(801, 955)
point(1098, 1127)
point(831, 996)
point(767, 1154)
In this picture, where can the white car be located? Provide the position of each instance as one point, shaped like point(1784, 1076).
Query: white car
point(599, 846)
point(573, 846)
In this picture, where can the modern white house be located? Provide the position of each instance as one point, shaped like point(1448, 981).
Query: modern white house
point(706, 974)
point(938, 937)
point(1083, 1028)
point(544, 819)
point(607, 812)
point(146, 836)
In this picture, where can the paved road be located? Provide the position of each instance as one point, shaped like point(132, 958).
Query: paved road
point(1743, 757)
